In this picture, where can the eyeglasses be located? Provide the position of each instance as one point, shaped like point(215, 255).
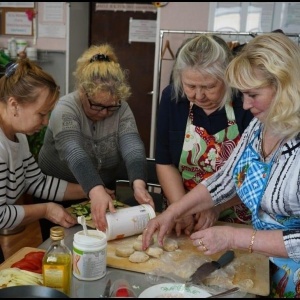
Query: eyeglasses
point(100, 107)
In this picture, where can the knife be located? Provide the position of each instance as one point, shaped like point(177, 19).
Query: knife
point(209, 267)
point(106, 293)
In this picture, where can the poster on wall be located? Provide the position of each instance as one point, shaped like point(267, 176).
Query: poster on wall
point(52, 22)
point(16, 22)
point(142, 31)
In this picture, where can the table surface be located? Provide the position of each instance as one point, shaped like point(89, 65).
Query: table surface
point(94, 289)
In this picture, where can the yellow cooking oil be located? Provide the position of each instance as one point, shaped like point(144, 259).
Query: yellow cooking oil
point(57, 263)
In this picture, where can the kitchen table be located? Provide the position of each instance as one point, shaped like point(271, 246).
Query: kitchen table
point(95, 289)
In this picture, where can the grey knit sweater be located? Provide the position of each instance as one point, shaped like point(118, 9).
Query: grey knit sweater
point(77, 150)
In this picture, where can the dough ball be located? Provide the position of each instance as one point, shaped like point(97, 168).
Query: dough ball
point(138, 257)
point(154, 251)
point(124, 251)
point(170, 244)
point(138, 246)
point(140, 238)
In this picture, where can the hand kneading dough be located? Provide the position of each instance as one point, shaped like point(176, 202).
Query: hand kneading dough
point(170, 245)
point(138, 257)
point(124, 251)
point(140, 238)
point(154, 251)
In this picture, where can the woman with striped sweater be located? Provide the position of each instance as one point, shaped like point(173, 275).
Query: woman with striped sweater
point(27, 95)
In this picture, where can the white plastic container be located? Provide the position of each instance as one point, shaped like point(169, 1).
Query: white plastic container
point(89, 255)
point(21, 45)
point(31, 53)
point(128, 221)
point(12, 47)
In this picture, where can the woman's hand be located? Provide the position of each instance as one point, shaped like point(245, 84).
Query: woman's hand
point(100, 202)
point(185, 224)
point(163, 224)
point(57, 214)
point(206, 218)
point(111, 193)
point(141, 193)
point(214, 239)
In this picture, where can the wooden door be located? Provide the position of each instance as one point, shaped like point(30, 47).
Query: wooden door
point(138, 57)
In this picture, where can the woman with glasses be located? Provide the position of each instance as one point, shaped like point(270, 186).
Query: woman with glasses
point(200, 121)
point(92, 130)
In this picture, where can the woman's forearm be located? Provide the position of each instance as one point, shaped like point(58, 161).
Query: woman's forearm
point(74, 191)
point(196, 200)
point(171, 182)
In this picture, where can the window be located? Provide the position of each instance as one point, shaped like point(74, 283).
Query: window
point(254, 16)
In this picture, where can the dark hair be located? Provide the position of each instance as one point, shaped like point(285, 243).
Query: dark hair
point(23, 79)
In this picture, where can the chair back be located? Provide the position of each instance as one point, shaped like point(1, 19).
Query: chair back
point(122, 176)
point(153, 185)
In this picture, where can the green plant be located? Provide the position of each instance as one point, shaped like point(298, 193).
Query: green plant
point(36, 141)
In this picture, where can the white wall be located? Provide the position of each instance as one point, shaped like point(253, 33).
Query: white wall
point(185, 16)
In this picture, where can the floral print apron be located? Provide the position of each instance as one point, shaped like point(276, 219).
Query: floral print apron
point(203, 154)
point(251, 176)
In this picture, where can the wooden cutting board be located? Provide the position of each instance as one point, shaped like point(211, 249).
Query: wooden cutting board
point(18, 256)
point(250, 272)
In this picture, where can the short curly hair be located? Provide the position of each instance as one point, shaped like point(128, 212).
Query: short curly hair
point(98, 69)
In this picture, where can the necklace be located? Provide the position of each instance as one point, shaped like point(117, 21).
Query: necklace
point(263, 153)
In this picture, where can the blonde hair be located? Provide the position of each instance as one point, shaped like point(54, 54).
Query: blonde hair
point(23, 79)
point(277, 59)
point(207, 54)
point(98, 70)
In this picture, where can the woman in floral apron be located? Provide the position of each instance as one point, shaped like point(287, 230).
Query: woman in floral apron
point(264, 168)
point(198, 130)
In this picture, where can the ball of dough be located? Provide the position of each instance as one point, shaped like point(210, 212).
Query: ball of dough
point(154, 251)
point(124, 251)
point(138, 257)
point(140, 238)
point(170, 244)
point(138, 245)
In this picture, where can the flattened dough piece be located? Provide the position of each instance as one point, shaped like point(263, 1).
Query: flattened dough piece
point(154, 251)
point(170, 244)
point(124, 251)
point(138, 257)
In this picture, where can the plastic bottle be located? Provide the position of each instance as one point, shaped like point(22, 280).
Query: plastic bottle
point(57, 262)
point(12, 47)
point(128, 221)
point(89, 255)
point(21, 45)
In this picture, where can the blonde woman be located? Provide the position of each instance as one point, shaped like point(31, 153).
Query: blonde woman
point(264, 168)
point(92, 129)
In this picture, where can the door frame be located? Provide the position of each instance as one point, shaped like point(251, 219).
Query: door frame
point(155, 94)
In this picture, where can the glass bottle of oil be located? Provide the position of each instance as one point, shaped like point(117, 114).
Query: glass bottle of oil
point(57, 262)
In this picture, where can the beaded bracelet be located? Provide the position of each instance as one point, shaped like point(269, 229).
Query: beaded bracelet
point(252, 241)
